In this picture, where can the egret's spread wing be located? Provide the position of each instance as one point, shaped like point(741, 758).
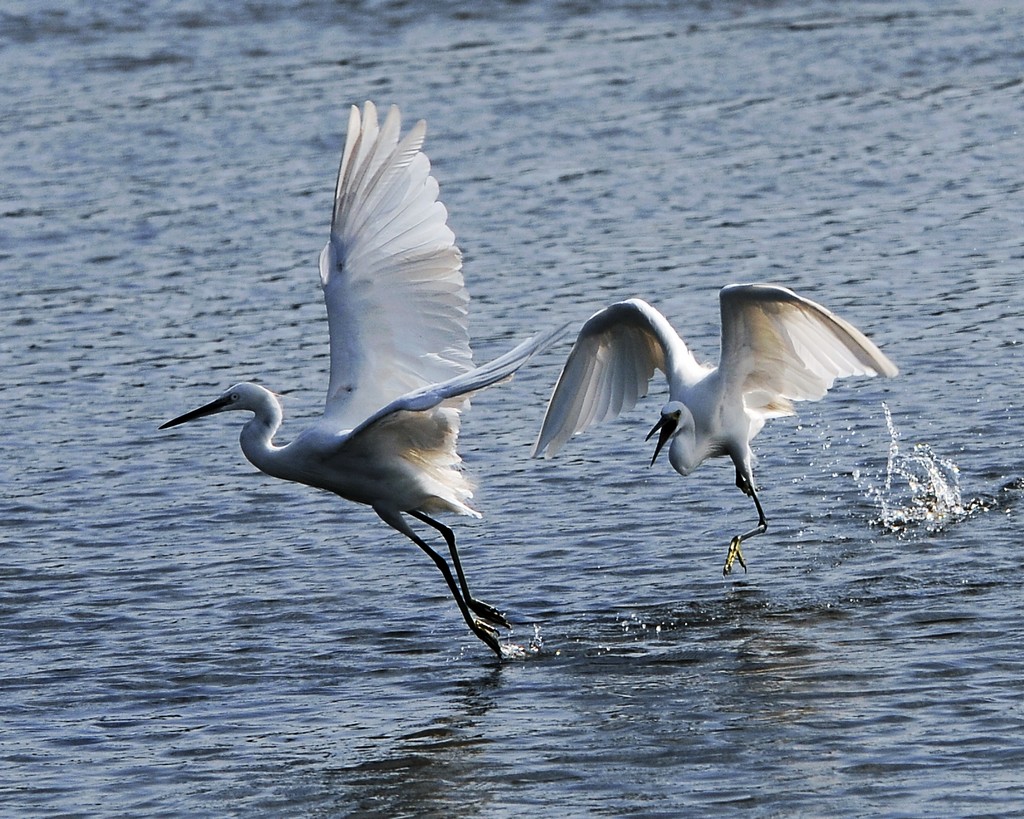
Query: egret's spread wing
point(608, 370)
point(391, 274)
point(779, 347)
point(423, 428)
point(455, 390)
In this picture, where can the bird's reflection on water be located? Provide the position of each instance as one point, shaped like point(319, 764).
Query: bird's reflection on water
point(411, 774)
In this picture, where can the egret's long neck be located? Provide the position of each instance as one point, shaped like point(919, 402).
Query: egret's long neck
point(686, 370)
point(684, 453)
point(257, 438)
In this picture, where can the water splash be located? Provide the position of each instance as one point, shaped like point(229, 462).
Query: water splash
point(921, 489)
point(513, 651)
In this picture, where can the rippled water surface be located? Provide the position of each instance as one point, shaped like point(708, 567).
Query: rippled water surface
point(180, 635)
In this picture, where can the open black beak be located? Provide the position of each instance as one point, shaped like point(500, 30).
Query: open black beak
point(206, 409)
point(667, 424)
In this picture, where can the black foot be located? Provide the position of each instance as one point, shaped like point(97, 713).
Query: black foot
point(489, 635)
point(488, 612)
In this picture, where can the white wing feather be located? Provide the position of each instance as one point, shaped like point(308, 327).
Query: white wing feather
point(779, 347)
point(609, 369)
point(463, 385)
point(423, 427)
point(391, 274)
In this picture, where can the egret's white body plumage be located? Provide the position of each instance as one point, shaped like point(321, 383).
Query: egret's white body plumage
point(401, 364)
point(776, 348)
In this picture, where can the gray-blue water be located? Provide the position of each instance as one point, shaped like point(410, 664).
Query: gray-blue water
point(180, 635)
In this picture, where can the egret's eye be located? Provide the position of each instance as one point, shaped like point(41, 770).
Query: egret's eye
point(234, 396)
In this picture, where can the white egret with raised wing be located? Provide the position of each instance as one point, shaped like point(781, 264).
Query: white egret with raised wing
point(401, 365)
point(776, 348)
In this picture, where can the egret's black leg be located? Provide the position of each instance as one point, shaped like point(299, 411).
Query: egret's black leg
point(485, 631)
point(743, 483)
point(735, 552)
point(481, 608)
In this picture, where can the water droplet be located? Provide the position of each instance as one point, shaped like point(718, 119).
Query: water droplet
point(920, 488)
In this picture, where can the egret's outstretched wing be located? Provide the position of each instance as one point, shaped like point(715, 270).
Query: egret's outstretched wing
point(465, 384)
point(423, 428)
point(608, 370)
point(779, 347)
point(391, 274)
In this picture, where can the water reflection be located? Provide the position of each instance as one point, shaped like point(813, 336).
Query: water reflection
point(413, 773)
point(169, 649)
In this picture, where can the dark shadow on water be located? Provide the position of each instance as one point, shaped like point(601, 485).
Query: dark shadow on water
point(413, 773)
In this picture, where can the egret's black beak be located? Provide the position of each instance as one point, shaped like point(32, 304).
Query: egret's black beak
point(206, 409)
point(667, 425)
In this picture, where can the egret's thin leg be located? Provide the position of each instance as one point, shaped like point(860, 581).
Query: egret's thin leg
point(735, 552)
point(481, 608)
point(486, 632)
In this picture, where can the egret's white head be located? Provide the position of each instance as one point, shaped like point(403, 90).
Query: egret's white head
point(675, 417)
point(240, 397)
